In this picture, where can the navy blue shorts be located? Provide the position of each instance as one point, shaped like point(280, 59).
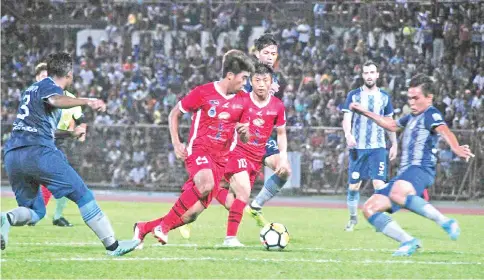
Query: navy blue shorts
point(367, 164)
point(29, 167)
point(420, 178)
point(271, 149)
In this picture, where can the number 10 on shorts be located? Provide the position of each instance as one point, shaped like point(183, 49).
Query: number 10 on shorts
point(242, 163)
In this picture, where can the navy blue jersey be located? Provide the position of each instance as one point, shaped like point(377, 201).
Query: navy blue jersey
point(36, 120)
point(419, 139)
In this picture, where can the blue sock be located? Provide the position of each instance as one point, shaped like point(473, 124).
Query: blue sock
point(352, 200)
point(96, 220)
point(419, 206)
point(379, 221)
point(271, 187)
point(384, 224)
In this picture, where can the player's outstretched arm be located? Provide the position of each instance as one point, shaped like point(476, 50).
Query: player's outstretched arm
point(173, 124)
point(387, 123)
point(462, 151)
point(66, 102)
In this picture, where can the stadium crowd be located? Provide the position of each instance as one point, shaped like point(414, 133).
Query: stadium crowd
point(320, 59)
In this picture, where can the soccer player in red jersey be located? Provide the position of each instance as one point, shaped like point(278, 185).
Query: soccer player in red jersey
point(246, 159)
point(218, 111)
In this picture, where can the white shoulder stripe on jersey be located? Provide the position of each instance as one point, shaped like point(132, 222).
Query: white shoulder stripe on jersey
point(195, 131)
point(234, 142)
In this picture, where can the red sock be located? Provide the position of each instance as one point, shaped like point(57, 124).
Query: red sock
point(149, 226)
point(186, 200)
point(46, 194)
point(222, 196)
point(235, 216)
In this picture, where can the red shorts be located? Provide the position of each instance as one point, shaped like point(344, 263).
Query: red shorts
point(198, 161)
point(238, 163)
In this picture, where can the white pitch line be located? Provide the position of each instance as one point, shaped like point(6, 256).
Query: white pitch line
point(191, 245)
point(261, 260)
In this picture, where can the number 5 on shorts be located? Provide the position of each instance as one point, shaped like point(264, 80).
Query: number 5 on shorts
point(381, 170)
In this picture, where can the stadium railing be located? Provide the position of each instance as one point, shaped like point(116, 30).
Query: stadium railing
point(111, 152)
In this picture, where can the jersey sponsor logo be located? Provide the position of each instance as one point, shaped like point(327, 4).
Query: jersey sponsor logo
point(258, 122)
point(271, 113)
point(224, 116)
point(21, 126)
point(436, 117)
point(214, 102)
point(212, 112)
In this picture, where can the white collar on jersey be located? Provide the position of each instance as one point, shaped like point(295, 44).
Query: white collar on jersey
point(219, 91)
point(257, 103)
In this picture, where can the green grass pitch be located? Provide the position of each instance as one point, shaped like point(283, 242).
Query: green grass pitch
point(319, 248)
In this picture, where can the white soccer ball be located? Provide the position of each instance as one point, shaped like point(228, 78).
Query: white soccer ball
point(274, 236)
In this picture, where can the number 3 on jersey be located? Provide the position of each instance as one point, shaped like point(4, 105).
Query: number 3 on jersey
point(24, 107)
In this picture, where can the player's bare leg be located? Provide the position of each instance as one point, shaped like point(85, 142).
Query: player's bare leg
point(403, 193)
point(271, 187)
point(374, 209)
point(240, 189)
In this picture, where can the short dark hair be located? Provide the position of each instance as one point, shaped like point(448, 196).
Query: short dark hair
point(265, 41)
point(369, 63)
point(59, 64)
point(262, 69)
point(424, 82)
point(236, 61)
point(40, 67)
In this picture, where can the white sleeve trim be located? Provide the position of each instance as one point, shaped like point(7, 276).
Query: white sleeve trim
point(181, 107)
point(438, 124)
point(346, 110)
point(284, 125)
point(389, 115)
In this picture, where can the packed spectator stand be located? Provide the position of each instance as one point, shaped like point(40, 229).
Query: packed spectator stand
point(322, 48)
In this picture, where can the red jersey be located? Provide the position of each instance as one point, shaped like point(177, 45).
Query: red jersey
point(214, 119)
point(263, 119)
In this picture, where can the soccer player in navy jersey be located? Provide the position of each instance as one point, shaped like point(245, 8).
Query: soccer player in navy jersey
point(421, 130)
point(31, 158)
point(267, 53)
point(365, 139)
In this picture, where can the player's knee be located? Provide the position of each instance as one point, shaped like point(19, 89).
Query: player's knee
point(285, 174)
point(81, 198)
point(400, 192)
point(375, 204)
point(354, 187)
point(378, 184)
point(190, 218)
point(243, 195)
